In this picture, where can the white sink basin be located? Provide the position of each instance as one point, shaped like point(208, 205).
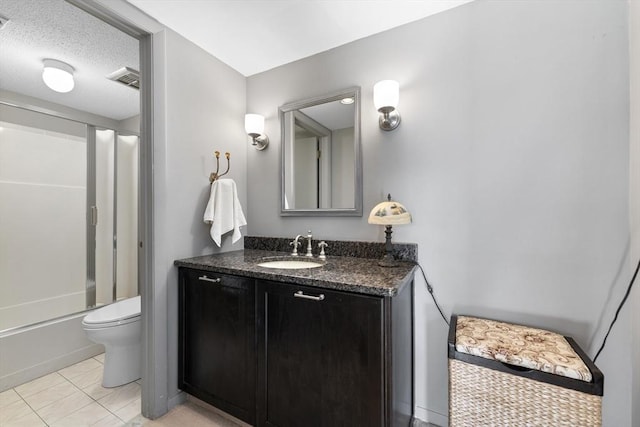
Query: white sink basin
point(290, 264)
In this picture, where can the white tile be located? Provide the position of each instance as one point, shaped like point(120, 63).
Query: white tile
point(39, 384)
point(79, 368)
point(110, 421)
point(29, 420)
point(130, 410)
point(87, 378)
point(63, 407)
point(7, 397)
point(86, 416)
point(13, 412)
point(50, 395)
point(121, 397)
point(138, 421)
point(100, 358)
point(96, 391)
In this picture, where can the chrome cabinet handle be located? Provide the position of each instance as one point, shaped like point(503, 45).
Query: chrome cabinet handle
point(206, 279)
point(301, 294)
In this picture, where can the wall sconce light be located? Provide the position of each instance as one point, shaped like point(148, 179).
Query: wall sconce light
point(58, 75)
point(254, 125)
point(386, 94)
point(389, 213)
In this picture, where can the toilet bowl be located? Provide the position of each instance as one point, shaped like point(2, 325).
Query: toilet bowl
point(117, 327)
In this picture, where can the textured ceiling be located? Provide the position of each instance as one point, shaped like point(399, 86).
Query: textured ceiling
point(252, 36)
point(39, 29)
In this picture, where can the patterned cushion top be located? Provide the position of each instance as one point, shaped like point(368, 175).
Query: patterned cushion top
point(521, 346)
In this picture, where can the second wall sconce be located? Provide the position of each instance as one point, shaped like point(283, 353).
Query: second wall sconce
point(254, 126)
point(386, 94)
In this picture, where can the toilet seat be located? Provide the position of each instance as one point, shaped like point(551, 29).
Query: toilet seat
point(104, 325)
point(118, 313)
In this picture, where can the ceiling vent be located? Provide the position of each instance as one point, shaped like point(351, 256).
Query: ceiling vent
point(127, 76)
point(3, 21)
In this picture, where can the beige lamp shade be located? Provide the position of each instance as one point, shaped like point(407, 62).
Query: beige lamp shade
point(389, 213)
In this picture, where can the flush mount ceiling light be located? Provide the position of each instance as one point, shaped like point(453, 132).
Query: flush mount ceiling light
point(58, 75)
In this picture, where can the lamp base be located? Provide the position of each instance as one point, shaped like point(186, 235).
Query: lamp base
point(388, 260)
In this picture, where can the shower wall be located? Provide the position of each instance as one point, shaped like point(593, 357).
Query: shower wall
point(117, 203)
point(127, 216)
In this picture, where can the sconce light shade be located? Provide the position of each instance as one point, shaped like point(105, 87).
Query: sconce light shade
point(254, 123)
point(254, 126)
point(386, 95)
point(58, 76)
point(389, 213)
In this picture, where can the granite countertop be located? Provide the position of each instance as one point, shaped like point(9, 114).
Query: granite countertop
point(351, 274)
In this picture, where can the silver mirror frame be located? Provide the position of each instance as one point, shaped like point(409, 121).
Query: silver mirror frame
point(309, 102)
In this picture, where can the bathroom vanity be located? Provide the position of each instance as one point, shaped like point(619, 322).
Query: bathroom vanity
point(325, 346)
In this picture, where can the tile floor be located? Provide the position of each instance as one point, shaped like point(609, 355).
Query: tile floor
point(70, 397)
point(73, 397)
point(192, 413)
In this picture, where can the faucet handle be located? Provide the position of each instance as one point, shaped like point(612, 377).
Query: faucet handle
point(295, 245)
point(322, 245)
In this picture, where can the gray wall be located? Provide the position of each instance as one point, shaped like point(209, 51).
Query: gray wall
point(634, 49)
point(203, 106)
point(513, 157)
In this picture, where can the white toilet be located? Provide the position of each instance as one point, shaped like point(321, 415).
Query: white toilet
point(117, 327)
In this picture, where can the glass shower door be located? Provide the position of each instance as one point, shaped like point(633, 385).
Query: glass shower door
point(42, 217)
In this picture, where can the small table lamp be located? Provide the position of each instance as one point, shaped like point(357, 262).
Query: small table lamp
point(389, 213)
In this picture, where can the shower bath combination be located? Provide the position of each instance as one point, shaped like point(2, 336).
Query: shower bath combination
point(68, 238)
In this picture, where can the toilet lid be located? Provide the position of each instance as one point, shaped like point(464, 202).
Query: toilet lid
point(118, 311)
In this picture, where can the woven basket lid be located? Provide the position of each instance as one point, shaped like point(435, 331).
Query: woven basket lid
point(518, 345)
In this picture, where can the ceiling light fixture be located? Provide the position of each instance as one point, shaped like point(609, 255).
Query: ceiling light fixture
point(58, 75)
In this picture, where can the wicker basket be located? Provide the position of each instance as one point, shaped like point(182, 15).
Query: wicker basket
point(487, 392)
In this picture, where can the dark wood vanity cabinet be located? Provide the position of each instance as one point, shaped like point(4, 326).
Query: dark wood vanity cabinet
point(321, 357)
point(217, 353)
point(296, 355)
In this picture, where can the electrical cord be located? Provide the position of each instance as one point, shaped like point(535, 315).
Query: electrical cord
point(430, 289)
point(604, 341)
point(624, 300)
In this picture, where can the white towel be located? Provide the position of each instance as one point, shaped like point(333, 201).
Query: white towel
point(224, 211)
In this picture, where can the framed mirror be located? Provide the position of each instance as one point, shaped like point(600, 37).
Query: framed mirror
point(321, 156)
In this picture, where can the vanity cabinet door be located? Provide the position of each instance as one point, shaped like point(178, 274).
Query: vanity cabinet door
point(217, 355)
point(320, 358)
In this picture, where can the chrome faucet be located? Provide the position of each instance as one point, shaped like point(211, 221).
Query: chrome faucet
point(295, 245)
point(309, 237)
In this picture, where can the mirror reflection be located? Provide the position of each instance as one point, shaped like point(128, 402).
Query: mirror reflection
point(321, 172)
